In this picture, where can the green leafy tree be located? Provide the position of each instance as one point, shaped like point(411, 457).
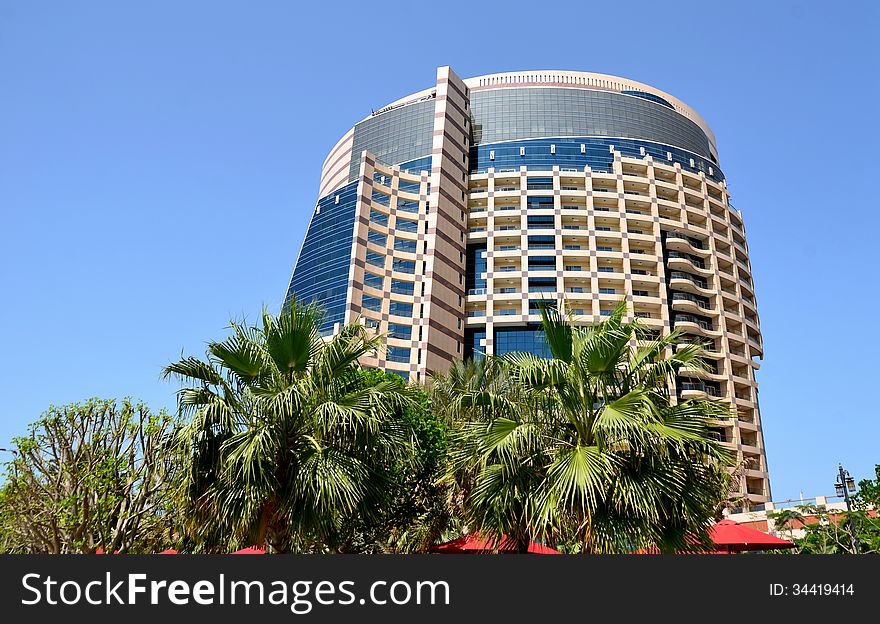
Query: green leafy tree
point(414, 515)
point(868, 494)
point(89, 476)
point(587, 449)
point(285, 442)
point(787, 520)
point(829, 533)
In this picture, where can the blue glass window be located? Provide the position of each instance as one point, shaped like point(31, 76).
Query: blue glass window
point(542, 242)
point(407, 206)
point(540, 221)
point(404, 266)
point(408, 246)
point(373, 281)
point(376, 259)
point(514, 114)
point(535, 203)
point(409, 187)
point(378, 217)
point(381, 178)
point(396, 330)
point(377, 239)
point(402, 287)
point(405, 225)
point(398, 354)
point(542, 263)
point(476, 267)
point(401, 309)
point(539, 183)
point(381, 198)
point(321, 272)
point(597, 154)
point(651, 97)
point(528, 339)
point(542, 284)
point(472, 343)
point(374, 304)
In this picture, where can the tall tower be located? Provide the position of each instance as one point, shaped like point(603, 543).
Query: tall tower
point(445, 218)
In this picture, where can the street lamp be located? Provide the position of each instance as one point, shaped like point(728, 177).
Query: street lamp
point(843, 486)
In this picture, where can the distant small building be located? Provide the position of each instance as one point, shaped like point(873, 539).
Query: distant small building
point(760, 520)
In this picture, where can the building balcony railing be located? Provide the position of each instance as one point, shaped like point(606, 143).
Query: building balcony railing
point(685, 318)
point(691, 278)
point(694, 242)
point(686, 297)
point(700, 387)
point(697, 262)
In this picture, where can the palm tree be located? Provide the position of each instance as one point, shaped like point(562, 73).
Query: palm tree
point(785, 519)
point(286, 439)
point(587, 448)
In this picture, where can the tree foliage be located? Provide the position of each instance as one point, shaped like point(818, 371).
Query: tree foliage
point(285, 441)
point(828, 532)
point(414, 515)
point(586, 449)
point(86, 477)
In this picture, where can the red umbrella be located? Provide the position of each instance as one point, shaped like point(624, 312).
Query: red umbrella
point(252, 550)
point(734, 537)
point(170, 551)
point(473, 544)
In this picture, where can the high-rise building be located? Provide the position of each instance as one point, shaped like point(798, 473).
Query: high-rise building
point(446, 218)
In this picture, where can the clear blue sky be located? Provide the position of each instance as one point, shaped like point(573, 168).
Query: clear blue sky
point(159, 161)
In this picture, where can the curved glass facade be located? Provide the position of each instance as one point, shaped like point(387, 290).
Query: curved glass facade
point(544, 154)
point(511, 113)
point(395, 136)
point(321, 273)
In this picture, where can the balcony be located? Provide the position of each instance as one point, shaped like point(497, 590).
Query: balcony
point(691, 298)
point(701, 283)
point(697, 387)
point(694, 242)
point(688, 318)
point(697, 262)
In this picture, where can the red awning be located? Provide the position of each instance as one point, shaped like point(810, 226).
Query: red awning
point(474, 544)
point(251, 550)
point(734, 537)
